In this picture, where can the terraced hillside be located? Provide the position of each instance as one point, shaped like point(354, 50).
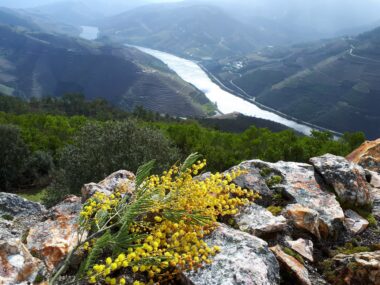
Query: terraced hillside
point(334, 83)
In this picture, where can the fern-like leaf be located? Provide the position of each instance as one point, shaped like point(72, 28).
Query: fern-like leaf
point(143, 172)
point(190, 160)
point(97, 251)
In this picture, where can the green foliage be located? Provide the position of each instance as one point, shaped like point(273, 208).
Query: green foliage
point(273, 180)
point(294, 254)
point(7, 217)
point(224, 150)
point(275, 210)
point(100, 149)
point(350, 248)
point(14, 155)
point(371, 220)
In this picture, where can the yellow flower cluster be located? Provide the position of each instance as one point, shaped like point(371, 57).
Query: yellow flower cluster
point(99, 201)
point(186, 211)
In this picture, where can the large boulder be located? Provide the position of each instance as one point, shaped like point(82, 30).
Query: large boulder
point(258, 221)
point(301, 185)
point(346, 178)
point(356, 269)
point(122, 180)
point(17, 265)
point(367, 155)
point(52, 239)
point(244, 259)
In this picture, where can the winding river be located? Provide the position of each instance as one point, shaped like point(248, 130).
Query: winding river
point(226, 102)
point(192, 73)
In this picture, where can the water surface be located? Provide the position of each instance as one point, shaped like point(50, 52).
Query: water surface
point(226, 102)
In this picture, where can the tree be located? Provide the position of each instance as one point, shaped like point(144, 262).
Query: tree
point(14, 154)
point(99, 149)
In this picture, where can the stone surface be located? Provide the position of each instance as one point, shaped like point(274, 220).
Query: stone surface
point(367, 155)
point(16, 206)
point(354, 222)
point(303, 186)
point(303, 247)
point(121, 178)
point(258, 221)
point(348, 179)
point(53, 238)
point(375, 192)
point(244, 259)
point(252, 179)
point(306, 219)
point(292, 264)
point(357, 269)
point(17, 265)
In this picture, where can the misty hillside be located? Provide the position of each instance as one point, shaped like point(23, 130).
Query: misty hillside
point(192, 30)
point(335, 83)
point(35, 64)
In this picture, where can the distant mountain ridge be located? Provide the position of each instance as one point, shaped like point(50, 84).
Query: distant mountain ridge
point(34, 64)
point(200, 31)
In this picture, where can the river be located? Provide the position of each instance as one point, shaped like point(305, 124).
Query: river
point(226, 102)
point(192, 73)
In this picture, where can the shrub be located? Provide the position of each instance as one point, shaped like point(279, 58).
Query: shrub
point(158, 231)
point(13, 155)
point(99, 149)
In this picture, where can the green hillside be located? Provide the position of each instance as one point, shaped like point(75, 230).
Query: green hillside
point(36, 64)
point(333, 83)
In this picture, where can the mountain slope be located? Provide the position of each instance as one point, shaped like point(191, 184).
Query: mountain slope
point(192, 30)
point(334, 84)
point(34, 64)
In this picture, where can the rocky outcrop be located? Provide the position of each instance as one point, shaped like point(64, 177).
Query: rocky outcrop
point(356, 269)
point(346, 178)
point(53, 238)
point(354, 222)
point(247, 220)
point(16, 206)
point(304, 247)
point(367, 155)
point(244, 259)
point(292, 264)
point(17, 265)
point(122, 180)
point(375, 192)
point(302, 186)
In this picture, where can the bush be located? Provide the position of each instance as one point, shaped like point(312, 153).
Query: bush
point(100, 149)
point(13, 154)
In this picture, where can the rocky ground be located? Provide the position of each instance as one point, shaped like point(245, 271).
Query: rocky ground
point(314, 223)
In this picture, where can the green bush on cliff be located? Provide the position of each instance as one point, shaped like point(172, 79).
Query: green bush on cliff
point(100, 149)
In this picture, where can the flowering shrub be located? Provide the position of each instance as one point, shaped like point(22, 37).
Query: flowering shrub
point(157, 232)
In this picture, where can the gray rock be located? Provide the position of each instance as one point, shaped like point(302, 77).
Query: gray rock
point(359, 268)
point(303, 186)
point(258, 221)
point(347, 179)
point(292, 264)
point(253, 180)
point(303, 247)
point(354, 222)
point(119, 179)
point(244, 259)
point(16, 206)
point(375, 192)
